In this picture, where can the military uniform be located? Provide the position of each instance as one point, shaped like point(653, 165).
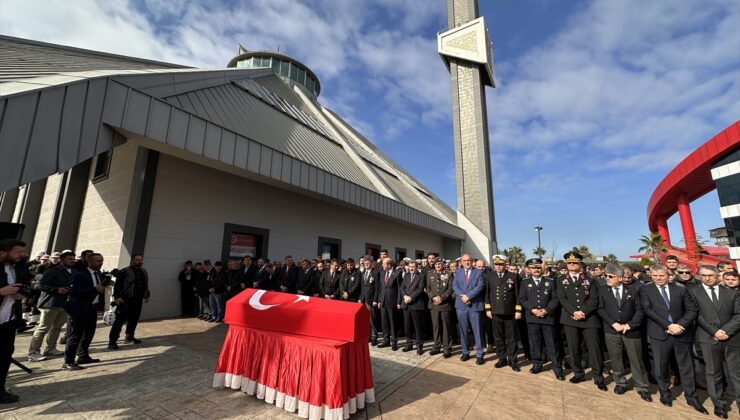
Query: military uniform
point(502, 301)
point(541, 293)
point(581, 293)
point(439, 285)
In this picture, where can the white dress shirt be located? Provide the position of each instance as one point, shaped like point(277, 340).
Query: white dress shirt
point(6, 309)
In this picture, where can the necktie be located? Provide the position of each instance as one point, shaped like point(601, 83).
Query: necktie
point(97, 279)
point(616, 295)
point(467, 274)
point(715, 301)
point(667, 302)
point(387, 276)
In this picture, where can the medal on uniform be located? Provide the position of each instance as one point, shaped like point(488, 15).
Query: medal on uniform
point(547, 284)
point(530, 285)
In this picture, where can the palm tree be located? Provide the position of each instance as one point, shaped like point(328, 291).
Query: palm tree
point(653, 244)
point(539, 251)
point(515, 254)
point(584, 251)
point(612, 259)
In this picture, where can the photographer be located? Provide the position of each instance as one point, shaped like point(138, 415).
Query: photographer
point(54, 287)
point(15, 281)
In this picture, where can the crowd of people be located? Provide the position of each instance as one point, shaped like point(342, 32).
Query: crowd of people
point(50, 291)
point(652, 321)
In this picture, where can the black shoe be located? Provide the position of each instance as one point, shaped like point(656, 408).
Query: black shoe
point(374, 342)
point(130, 340)
point(72, 366)
point(419, 351)
point(666, 400)
point(447, 354)
point(501, 363)
point(515, 367)
point(383, 345)
point(63, 340)
point(8, 398)
point(620, 390)
point(86, 360)
point(434, 352)
point(112, 346)
point(406, 349)
point(465, 357)
point(559, 375)
point(535, 369)
point(697, 406)
point(601, 385)
point(645, 396)
point(720, 412)
point(578, 379)
point(394, 346)
point(479, 361)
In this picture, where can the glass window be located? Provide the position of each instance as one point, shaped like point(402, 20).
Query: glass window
point(373, 250)
point(293, 72)
point(329, 248)
point(302, 76)
point(275, 65)
point(102, 166)
point(284, 68)
point(258, 62)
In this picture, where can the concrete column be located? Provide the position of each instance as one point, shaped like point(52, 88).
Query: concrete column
point(7, 205)
point(31, 209)
point(687, 225)
point(70, 208)
point(663, 231)
point(140, 205)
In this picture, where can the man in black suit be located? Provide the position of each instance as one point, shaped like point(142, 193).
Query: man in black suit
point(670, 311)
point(502, 307)
point(288, 276)
point(620, 311)
point(305, 279)
point(717, 335)
point(368, 293)
point(387, 298)
point(330, 281)
point(350, 282)
point(247, 274)
point(540, 304)
point(413, 301)
point(579, 297)
point(86, 297)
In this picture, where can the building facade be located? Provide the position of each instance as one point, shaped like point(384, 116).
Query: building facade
point(123, 156)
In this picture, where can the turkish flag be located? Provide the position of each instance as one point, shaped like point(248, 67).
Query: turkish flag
point(303, 315)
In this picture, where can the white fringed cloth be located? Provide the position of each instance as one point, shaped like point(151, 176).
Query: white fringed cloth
point(316, 377)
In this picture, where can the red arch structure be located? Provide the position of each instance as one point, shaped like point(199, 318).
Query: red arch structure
point(688, 181)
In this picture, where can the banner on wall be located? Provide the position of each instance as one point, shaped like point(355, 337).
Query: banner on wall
point(243, 244)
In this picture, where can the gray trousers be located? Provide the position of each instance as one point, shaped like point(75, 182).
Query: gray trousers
point(617, 344)
point(714, 355)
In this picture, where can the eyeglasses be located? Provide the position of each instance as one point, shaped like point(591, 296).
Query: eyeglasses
point(683, 272)
point(611, 276)
point(573, 263)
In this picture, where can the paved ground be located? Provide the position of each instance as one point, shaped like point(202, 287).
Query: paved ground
point(170, 374)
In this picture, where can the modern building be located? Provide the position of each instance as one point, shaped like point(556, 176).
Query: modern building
point(124, 155)
point(720, 237)
point(714, 165)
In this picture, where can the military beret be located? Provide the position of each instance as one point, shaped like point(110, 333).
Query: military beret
point(573, 257)
point(537, 262)
point(613, 269)
point(499, 259)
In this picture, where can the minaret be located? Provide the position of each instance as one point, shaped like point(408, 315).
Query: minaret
point(466, 50)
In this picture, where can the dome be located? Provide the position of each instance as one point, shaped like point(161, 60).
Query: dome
point(281, 64)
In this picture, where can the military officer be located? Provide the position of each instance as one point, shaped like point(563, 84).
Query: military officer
point(502, 306)
point(579, 297)
point(597, 273)
point(540, 305)
point(439, 289)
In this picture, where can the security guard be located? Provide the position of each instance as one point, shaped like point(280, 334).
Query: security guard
point(579, 297)
point(439, 289)
point(540, 304)
point(502, 306)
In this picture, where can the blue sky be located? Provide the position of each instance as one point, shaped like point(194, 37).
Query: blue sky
point(596, 100)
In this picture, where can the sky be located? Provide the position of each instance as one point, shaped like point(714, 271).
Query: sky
point(595, 100)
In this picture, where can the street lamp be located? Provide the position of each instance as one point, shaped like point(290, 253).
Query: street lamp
point(539, 242)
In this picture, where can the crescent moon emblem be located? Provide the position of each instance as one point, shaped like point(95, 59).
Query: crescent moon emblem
point(254, 301)
point(301, 298)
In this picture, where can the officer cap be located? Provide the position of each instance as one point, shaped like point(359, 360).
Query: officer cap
point(534, 262)
point(573, 257)
point(499, 259)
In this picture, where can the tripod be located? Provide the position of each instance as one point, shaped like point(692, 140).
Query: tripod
point(21, 365)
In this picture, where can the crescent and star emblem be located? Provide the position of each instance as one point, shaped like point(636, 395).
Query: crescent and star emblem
point(254, 301)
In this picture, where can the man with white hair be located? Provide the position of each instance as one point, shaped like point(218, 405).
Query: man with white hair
point(670, 311)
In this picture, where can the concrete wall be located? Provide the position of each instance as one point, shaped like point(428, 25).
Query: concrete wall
point(104, 212)
point(192, 203)
point(46, 215)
